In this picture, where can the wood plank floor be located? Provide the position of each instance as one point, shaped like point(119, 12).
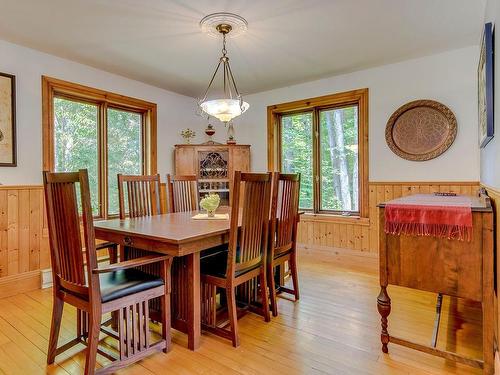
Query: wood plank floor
point(333, 329)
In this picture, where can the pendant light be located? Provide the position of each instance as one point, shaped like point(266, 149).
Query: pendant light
point(231, 105)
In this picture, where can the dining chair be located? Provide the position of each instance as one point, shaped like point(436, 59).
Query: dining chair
point(93, 290)
point(139, 196)
point(246, 255)
point(182, 193)
point(143, 193)
point(283, 234)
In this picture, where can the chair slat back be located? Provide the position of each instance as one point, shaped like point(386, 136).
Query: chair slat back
point(183, 193)
point(284, 211)
point(66, 249)
point(143, 195)
point(248, 245)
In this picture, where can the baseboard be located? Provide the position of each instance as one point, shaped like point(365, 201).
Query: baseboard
point(21, 283)
point(337, 250)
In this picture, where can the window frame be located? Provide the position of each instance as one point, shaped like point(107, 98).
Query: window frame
point(316, 105)
point(55, 88)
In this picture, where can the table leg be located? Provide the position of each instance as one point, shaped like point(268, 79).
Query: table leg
point(194, 305)
point(384, 309)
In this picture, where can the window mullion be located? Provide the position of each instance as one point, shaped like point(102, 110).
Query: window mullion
point(316, 162)
point(103, 159)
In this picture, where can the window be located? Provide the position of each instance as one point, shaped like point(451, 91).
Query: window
point(325, 140)
point(102, 132)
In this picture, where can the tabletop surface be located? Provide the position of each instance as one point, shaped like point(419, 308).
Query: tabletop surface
point(477, 204)
point(172, 228)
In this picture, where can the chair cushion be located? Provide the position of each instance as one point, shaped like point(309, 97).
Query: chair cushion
point(214, 251)
point(216, 265)
point(126, 282)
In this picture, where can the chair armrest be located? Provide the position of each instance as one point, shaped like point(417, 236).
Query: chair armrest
point(104, 245)
point(148, 259)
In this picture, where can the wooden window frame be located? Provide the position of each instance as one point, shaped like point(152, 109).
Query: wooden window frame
point(53, 87)
point(315, 105)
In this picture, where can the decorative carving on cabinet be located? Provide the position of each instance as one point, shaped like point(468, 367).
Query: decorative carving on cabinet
point(213, 164)
point(421, 130)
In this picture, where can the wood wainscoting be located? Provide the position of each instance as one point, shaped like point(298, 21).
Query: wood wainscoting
point(361, 234)
point(24, 238)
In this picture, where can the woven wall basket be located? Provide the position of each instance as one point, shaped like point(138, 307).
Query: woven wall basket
point(421, 130)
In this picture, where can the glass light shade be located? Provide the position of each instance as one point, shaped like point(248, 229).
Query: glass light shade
point(224, 109)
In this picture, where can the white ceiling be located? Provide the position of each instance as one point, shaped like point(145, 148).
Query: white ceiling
point(288, 41)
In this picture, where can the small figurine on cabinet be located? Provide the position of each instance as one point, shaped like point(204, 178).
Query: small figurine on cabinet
point(188, 134)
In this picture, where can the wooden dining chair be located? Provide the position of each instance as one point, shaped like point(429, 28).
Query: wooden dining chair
point(143, 193)
point(246, 255)
point(283, 233)
point(94, 291)
point(182, 193)
point(139, 196)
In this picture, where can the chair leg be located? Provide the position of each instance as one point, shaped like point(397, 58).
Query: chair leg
point(295, 274)
point(93, 341)
point(165, 305)
point(272, 289)
point(57, 310)
point(233, 315)
point(264, 294)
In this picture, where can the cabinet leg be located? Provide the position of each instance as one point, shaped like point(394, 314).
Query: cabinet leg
point(384, 309)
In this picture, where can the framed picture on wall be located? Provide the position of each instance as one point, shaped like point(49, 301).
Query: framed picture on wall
point(7, 120)
point(485, 87)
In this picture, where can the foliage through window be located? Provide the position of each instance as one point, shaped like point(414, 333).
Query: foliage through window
point(324, 139)
point(105, 133)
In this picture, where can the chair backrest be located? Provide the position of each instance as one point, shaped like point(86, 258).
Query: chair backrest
point(182, 193)
point(144, 196)
point(66, 250)
point(248, 244)
point(284, 212)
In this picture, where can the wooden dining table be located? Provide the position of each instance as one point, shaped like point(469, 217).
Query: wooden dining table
point(183, 237)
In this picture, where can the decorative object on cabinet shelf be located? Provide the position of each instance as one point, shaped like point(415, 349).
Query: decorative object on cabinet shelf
point(188, 134)
point(485, 87)
point(421, 130)
point(210, 203)
point(7, 120)
point(230, 134)
point(231, 104)
point(210, 131)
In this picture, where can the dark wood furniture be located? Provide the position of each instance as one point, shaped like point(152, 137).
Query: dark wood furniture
point(213, 165)
point(144, 195)
point(283, 234)
point(246, 255)
point(455, 268)
point(179, 235)
point(94, 291)
point(182, 193)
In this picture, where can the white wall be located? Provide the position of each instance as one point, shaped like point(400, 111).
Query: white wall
point(490, 155)
point(449, 78)
point(175, 112)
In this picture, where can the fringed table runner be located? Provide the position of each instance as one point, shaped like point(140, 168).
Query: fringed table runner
point(430, 215)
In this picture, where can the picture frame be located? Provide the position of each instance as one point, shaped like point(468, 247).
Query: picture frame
point(8, 146)
point(485, 87)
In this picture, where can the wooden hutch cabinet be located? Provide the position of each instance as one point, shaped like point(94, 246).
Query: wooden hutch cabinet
point(214, 165)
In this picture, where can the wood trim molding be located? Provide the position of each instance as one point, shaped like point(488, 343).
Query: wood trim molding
point(359, 97)
point(20, 283)
point(460, 183)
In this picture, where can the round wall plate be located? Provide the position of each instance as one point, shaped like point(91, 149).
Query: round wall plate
point(208, 24)
point(421, 130)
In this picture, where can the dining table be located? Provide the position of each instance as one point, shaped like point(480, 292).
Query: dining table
point(184, 238)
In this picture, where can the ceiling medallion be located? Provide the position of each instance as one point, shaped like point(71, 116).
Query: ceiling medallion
point(231, 105)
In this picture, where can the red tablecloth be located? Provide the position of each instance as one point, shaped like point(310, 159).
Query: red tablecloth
point(430, 215)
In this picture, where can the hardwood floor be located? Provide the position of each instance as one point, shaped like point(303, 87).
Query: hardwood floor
point(333, 329)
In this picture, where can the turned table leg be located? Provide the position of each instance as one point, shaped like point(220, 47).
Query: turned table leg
point(384, 309)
